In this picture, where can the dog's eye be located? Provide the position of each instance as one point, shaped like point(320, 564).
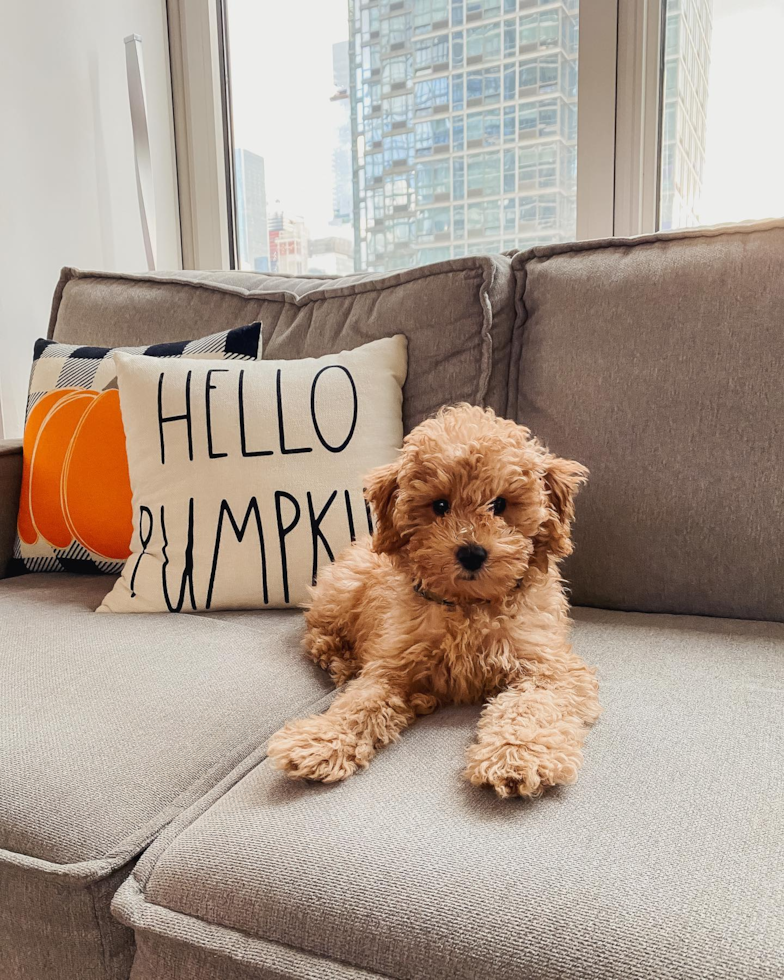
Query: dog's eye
point(498, 505)
point(440, 507)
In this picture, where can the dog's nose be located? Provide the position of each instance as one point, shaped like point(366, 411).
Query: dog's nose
point(471, 556)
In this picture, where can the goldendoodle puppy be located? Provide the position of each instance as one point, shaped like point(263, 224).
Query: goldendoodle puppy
point(457, 598)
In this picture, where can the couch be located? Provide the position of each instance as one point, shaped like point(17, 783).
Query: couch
point(144, 834)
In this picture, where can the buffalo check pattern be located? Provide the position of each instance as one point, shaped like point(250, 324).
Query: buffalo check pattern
point(68, 366)
point(58, 366)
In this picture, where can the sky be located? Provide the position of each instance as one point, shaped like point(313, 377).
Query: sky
point(281, 67)
point(281, 80)
point(744, 156)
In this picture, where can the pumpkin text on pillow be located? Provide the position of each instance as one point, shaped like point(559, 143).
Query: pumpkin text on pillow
point(246, 478)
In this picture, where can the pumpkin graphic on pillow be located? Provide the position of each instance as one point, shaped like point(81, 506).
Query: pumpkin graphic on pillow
point(75, 483)
point(75, 508)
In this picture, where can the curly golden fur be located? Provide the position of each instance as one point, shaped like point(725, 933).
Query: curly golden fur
point(407, 627)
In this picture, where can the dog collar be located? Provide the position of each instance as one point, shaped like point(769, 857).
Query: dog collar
point(433, 597)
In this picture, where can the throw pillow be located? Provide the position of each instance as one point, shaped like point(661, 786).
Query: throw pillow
point(247, 477)
point(75, 505)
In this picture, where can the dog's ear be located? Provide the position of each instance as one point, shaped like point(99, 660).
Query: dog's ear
point(562, 479)
point(380, 489)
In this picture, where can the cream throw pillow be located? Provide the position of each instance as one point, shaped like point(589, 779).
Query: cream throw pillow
point(247, 477)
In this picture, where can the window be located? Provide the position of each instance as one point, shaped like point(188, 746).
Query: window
point(432, 181)
point(429, 13)
point(540, 30)
point(483, 128)
point(373, 130)
point(371, 60)
point(430, 137)
point(398, 194)
point(397, 112)
point(457, 49)
point(395, 31)
point(721, 150)
point(434, 52)
point(483, 174)
point(483, 218)
point(431, 95)
point(398, 150)
point(538, 166)
point(432, 224)
point(370, 20)
point(482, 8)
point(483, 43)
point(539, 119)
point(483, 86)
point(458, 179)
point(374, 166)
point(541, 76)
point(396, 73)
point(422, 125)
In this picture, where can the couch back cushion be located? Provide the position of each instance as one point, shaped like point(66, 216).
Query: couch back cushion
point(458, 317)
point(657, 362)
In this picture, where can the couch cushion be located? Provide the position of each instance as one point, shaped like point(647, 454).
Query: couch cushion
point(112, 725)
point(664, 862)
point(458, 317)
point(657, 363)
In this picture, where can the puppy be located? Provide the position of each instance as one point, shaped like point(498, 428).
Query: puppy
point(456, 599)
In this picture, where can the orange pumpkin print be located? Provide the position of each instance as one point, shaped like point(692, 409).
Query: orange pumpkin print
point(75, 482)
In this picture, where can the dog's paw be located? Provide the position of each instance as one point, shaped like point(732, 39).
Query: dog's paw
point(520, 770)
point(314, 749)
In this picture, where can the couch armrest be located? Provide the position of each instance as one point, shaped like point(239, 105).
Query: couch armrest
point(10, 485)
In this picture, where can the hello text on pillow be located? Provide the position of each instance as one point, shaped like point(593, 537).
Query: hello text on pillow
point(247, 477)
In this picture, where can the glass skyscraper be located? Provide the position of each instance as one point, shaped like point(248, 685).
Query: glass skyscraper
point(464, 127)
point(251, 211)
point(684, 108)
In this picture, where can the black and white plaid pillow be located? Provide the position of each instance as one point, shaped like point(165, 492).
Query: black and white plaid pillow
point(59, 366)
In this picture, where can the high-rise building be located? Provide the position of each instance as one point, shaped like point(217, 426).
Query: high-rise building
point(331, 256)
point(342, 166)
point(464, 116)
point(288, 244)
point(684, 110)
point(251, 211)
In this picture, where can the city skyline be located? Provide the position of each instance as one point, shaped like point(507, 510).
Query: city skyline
point(305, 151)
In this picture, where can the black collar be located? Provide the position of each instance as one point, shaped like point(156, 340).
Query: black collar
point(433, 597)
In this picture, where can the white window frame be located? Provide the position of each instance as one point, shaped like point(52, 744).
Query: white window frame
point(620, 62)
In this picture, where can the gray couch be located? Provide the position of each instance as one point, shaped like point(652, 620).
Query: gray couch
point(143, 833)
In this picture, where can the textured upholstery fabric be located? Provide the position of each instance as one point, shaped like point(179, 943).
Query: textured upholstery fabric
point(664, 862)
point(458, 317)
point(10, 483)
point(111, 725)
point(109, 728)
point(208, 952)
point(657, 363)
point(53, 930)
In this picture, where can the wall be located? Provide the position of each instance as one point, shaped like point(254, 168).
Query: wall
point(67, 182)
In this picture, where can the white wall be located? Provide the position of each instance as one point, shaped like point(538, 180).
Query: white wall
point(67, 183)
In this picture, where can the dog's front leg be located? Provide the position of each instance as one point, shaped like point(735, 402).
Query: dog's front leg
point(372, 711)
point(531, 736)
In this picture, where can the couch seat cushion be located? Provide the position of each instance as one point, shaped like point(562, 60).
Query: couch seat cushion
point(110, 725)
point(665, 860)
